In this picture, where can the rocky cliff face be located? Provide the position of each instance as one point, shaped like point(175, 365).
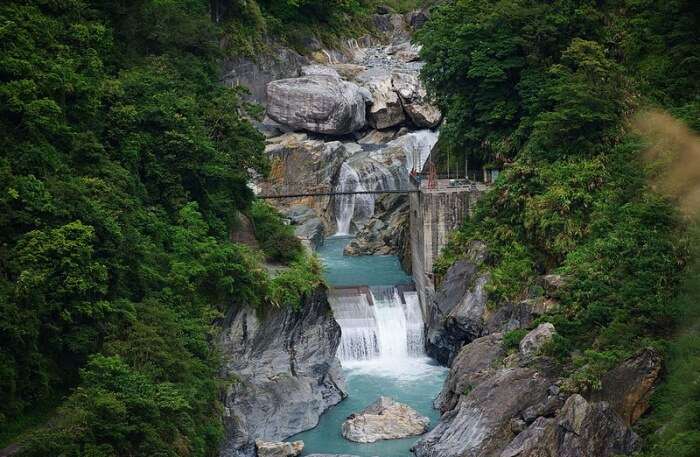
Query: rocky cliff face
point(503, 405)
point(354, 119)
point(508, 403)
point(283, 373)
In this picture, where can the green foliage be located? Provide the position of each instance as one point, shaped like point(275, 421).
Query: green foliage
point(544, 88)
point(673, 428)
point(249, 24)
point(292, 284)
point(123, 165)
point(276, 239)
point(511, 340)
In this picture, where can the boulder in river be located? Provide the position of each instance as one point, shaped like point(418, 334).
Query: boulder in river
point(384, 419)
point(317, 103)
point(279, 449)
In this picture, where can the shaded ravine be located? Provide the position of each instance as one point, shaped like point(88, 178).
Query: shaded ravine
point(381, 349)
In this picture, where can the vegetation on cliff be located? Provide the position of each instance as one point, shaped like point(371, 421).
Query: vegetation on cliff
point(250, 25)
point(555, 93)
point(123, 168)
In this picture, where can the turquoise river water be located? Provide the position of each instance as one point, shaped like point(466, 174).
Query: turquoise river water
point(392, 363)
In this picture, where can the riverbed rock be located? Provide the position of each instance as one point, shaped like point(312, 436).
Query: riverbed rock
point(317, 103)
point(580, 429)
point(384, 419)
point(283, 373)
point(474, 363)
point(480, 425)
point(405, 52)
point(302, 165)
point(386, 233)
point(386, 109)
point(324, 70)
point(415, 99)
point(279, 449)
point(533, 342)
point(629, 386)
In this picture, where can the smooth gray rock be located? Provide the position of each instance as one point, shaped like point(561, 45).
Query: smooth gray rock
point(480, 425)
point(318, 103)
point(580, 429)
point(283, 373)
point(474, 363)
point(385, 419)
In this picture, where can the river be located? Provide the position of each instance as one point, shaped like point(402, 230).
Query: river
point(382, 348)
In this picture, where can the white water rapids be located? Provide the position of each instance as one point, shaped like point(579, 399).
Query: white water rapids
point(383, 325)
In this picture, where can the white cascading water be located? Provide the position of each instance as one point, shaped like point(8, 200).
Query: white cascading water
point(390, 330)
point(347, 205)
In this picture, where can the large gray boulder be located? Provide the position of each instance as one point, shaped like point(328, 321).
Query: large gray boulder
point(536, 339)
point(415, 99)
point(283, 373)
point(384, 419)
point(474, 363)
point(580, 429)
point(317, 103)
point(480, 425)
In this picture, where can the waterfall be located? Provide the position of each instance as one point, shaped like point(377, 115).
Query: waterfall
point(346, 206)
point(381, 324)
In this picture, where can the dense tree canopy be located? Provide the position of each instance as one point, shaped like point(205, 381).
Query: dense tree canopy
point(123, 167)
point(547, 90)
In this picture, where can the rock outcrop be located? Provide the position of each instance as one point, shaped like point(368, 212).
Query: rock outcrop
point(414, 99)
point(474, 363)
point(283, 373)
point(533, 342)
point(480, 425)
point(457, 316)
point(317, 103)
point(386, 109)
point(384, 419)
point(386, 233)
point(580, 429)
point(309, 228)
point(279, 449)
point(628, 387)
